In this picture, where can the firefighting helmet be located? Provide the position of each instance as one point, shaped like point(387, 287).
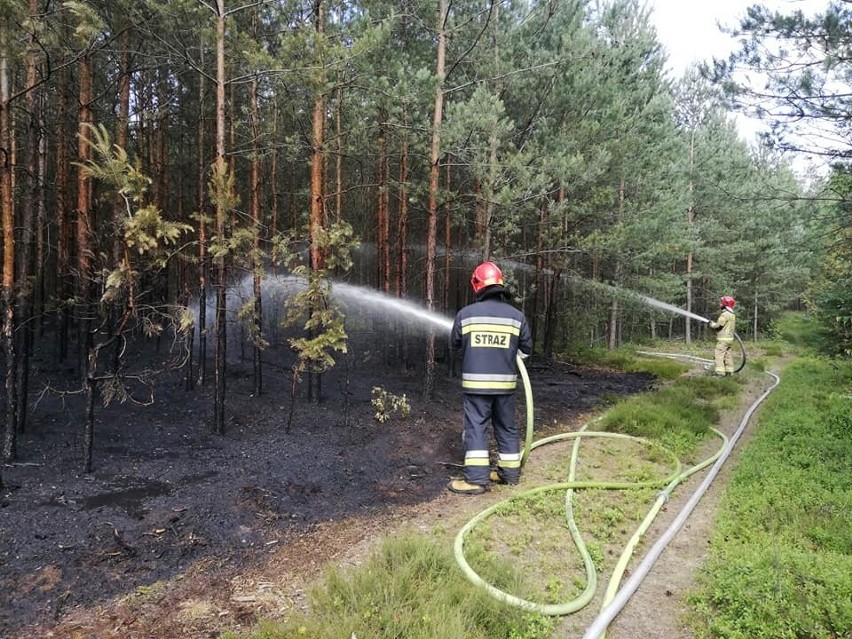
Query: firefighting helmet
point(486, 274)
point(727, 301)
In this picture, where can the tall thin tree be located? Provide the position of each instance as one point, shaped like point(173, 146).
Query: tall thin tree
point(434, 176)
point(8, 218)
point(221, 183)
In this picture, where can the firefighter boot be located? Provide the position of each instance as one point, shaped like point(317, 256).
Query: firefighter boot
point(497, 479)
point(461, 487)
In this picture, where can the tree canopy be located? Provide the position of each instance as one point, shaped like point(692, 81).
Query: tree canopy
point(544, 135)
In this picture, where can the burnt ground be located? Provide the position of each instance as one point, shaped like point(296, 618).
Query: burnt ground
point(170, 506)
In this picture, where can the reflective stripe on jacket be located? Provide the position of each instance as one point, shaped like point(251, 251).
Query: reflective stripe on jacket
point(489, 334)
point(725, 326)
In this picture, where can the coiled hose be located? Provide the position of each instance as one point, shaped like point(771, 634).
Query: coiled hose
point(675, 478)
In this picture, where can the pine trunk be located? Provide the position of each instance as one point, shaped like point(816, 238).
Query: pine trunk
point(317, 219)
point(613, 338)
point(203, 257)
point(690, 224)
point(221, 170)
point(401, 282)
point(551, 315)
point(539, 272)
point(448, 239)
point(338, 166)
point(754, 326)
point(402, 221)
point(273, 172)
point(317, 211)
point(383, 211)
point(432, 220)
point(8, 218)
point(84, 253)
point(257, 266)
point(63, 225)
point(28, 236)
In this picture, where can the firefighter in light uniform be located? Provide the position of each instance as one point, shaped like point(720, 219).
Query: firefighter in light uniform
point(489, 333)
point(725, 326)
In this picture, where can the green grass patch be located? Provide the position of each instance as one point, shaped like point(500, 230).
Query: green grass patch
point(529, 532)
point(773, 348)
point(781, 560)
point(678, 416)
point(626, 359)
point(411, 588)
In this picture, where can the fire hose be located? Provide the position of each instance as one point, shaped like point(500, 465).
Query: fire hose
point(614, 599)
point(742, 351)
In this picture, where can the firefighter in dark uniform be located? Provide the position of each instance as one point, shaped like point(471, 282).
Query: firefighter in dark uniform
point(489, 333)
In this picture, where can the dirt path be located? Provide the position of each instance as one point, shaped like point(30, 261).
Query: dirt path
point(657, 609)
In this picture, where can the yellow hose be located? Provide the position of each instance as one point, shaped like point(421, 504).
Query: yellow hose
point(669, 483)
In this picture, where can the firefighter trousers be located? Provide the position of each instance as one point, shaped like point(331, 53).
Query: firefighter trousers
point(499, 410)
point(723, 358)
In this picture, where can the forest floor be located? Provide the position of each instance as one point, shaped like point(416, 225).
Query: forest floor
point(178, 532)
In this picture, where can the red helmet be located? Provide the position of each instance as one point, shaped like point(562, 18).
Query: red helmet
point(486, 274)
point(727, 301)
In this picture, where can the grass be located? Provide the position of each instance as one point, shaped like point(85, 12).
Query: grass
point(412, 588)
point(626, 359)
point(781, 556)
point(678, 416)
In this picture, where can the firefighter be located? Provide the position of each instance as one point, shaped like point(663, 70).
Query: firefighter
point(725, 327)
point(489, 333)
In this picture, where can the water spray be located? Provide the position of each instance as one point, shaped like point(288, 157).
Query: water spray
point(361, 294)
point(650, 301)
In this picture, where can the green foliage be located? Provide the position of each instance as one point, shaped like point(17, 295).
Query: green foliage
point(325, 327)
point(627, 360)
point(411, 588)
point(830, 292)
point(800, 56)
point(89, 24)
point(679, 416)
point(781, 562)
point(247, 315)
point(223, 194)
point(776, 593)
point(112, 166)
point(387, 404)
point(801, 60)
point(799, 330)
point(597, 186)
point(311, 307)
point(145, 232)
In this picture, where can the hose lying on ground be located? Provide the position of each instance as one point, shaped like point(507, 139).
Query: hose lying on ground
point(668, 485)
point(614, 604)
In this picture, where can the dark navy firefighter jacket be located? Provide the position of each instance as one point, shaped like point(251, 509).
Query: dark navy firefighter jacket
point(489, 334)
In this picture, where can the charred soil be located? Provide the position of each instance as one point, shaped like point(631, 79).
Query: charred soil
point(180, 532)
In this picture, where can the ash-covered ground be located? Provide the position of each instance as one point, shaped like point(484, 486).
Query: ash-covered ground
point(167, 494)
